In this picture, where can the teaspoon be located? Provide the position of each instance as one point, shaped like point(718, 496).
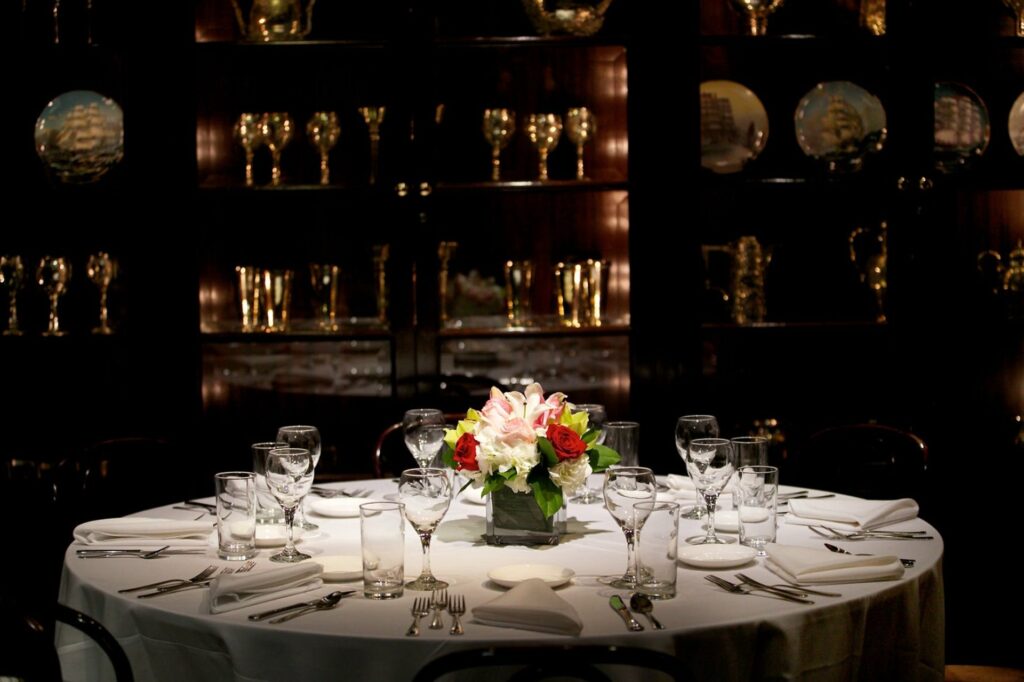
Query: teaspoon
point(641, 603)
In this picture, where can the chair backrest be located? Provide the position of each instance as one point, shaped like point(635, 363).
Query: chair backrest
point(867, 460)
point(388, 443)
point(589, 663)
point(102, 637)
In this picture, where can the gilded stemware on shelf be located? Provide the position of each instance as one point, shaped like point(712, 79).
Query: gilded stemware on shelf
point(499, 126)
point(566, 16)
point(381, 253)
point(277, 299)
point(518, 285)
point(277, 129)
point(1017, 7)
point(324, 277)
point(374, 117)
point(544, 131)
point(53, 275)
point(101, 269)
point(323, 132)
point(248, 132)
point(275, 20)
point(12, 277)
point(580, 126)
point(250, 290)
point(756, 13)
point(869, 253)
point(445, 251)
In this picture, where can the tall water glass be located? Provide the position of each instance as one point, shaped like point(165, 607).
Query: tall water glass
point(267, 508)
point(657, 548)
point(624, 438)
point(623, 488)
point(596, 417)
point(710, 463)
point(688, 427)
point(750, 451)
point(757, 490)
point(424, 434)
point(382, 535)
point(426, 494)
point(307, 437)
point(290, 476)
point(236, 514)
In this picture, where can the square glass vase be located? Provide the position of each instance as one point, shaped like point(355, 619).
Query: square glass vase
point(516, 519)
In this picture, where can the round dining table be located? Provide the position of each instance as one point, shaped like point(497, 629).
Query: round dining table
point(892, 629)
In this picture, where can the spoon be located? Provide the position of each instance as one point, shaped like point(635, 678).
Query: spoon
point(642, 604)
point(106, 553)
point(907, 563)
point(322, 606)
point(324, 602)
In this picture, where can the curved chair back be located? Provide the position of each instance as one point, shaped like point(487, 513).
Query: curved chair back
point(387, 443)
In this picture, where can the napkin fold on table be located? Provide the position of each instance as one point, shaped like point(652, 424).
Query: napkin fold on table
point(806, 565)
point(239, 590)
point(851, 513)
point(530, 605)
point(144, 532)
point(683, 488)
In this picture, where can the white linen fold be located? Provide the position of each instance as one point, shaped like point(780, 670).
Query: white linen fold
point(806, 565)
point(141, 531)
point(682, 487)
point(851, 513)
point(530, 605)
point(236, 591)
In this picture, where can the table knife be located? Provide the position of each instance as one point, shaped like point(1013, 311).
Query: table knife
point(631, 622)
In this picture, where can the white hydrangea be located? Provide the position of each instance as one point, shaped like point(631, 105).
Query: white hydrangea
point(571, 474)
point(494, 456)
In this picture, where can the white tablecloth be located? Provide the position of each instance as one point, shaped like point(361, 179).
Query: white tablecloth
point(883, 630)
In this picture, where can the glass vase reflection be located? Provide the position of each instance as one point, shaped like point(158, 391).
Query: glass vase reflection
point(80, 136)
point(516, 519)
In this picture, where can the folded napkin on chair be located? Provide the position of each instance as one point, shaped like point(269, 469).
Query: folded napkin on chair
point(531, 605)
point(806, 565)
point(239, 590)
point(144, 532)
point(851, 513)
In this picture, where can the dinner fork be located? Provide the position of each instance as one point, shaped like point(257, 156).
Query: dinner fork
point(247, 566)
point(420, 608)
point(743, 588)
point(833, 534)
point(907, 563)
point(456, 607)
point(438, 600)
point(201, 575)
point(798, 590)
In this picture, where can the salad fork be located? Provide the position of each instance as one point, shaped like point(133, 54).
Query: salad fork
point(201, 575)
point(744, 588)
point(439, 601)
point(420, 608)
point(456, 607)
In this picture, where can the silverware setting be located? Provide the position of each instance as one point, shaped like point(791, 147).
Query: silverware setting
point(631, 623)
point(641, 603)
point(323, 604)
point(420, 608)
point(201, 575)
point(338, 492)
point(438, 602)
point(802, 495)
point(746, 588)
point(456, 607)
point(833, 534)
point(200, 582)
point(798, 590)
point(134, 553)
point(907, 563)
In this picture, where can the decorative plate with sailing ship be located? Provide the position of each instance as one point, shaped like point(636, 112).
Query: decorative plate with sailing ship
point(733, 126)
point(840, 122)
point(80, 135)
point(962, 129)
point(1016, 124)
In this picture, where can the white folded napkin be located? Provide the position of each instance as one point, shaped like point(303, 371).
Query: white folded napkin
point(531, 605)
point(806, 565)
point(683, 488)
point(851, 513)
point(236, 591)
point(144, 532)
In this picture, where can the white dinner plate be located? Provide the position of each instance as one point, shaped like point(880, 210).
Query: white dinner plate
point(340, 568)
point(513, 574)
point(337, 507)
point(716, 556)
point(276, 535)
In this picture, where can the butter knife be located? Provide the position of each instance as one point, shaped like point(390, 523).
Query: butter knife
point(631, 622)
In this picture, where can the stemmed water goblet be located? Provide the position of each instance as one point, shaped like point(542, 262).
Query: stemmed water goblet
point(307, 438)
point(248, 132)
point(277, 128)
point(323, 132)
point(711, 463)
point(12, 276)
point(623, 488)
point(499, 126)
point(53, 275)
point(596, 417)
point(102, 269)
point(426, 494)
point(374, 117)
point(688, 427)
point(580, 126)
point(756, 13)
point(289, 477)
point(544, 131)
point(424, 434)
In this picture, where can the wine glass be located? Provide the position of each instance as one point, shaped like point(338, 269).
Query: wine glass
point(102, 269)
point(580, 126)
point(688, 427)
point(711, 463)
point(424, 434)
point(12, 276)
point(1017, 7)
point(53, 275)
point(324, 277)
point(596, 417)
point(307, 438)
point(544, 131)
point(757, 12)
point(289, 476)
point(277, 128)
point(323, 132)
point(426, 494)
point(624, 487)
point(499, 126)
point(374, 117)
point(248, 132)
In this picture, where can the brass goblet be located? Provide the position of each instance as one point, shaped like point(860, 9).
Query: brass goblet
point(580, 126)
point(277, 130)
point(12, 276)
point(102, 269)
point(544, 131)
point(1017, 7)
point(499, 126)
point(248, 132)
point(323, 132)
point(53, 275)
point(756, 13)
point(374, 117)
point(324, 278)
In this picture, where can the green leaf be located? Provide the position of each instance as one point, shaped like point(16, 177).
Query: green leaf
point(548, 496)
point(548, 450)
point(602, 457)
point(466, 485)
point(508, 475)
point(492, 483)
point(591, 435)
point(448, 456)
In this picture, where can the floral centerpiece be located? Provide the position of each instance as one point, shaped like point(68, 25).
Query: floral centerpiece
point(526, 443)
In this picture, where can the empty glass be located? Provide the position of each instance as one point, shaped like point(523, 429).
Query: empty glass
point(236, 515)
point(12, 275)
point(580, 126)
point(53, 275)
point(248, 132)
point(544, 131)
point(325, 278)
point(499, 125)
point(289, 476)
point(750, 451)
point(382, 536)
point(306, 437)
point(624, 438)
point(267, 509)
point(323, 132)
point(757, 493)
point(688, 427)
point(657, 548)
point(277, 129)
point(596, 417)
point(623, 488)
point(426, 494)
point(424, 434)
point(756, 13)
point(373, 117)
point(710, 463)
point(102, 269)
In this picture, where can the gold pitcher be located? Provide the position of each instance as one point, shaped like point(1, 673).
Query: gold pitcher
point(575, 17)
point(275, 20)
point(869, 253)
point(748, 260)
point(1007, 280)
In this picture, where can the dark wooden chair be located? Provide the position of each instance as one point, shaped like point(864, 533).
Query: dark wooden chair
point(390, 452)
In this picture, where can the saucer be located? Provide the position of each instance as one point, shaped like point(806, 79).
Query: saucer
point(726, 521)
point(962, 129)
point(716, 556)
point(1016, 124)
point(733, 126)
point(840, 122)
point(513, 574)
point(276, 535)
point(340, 568)
point(337, 507)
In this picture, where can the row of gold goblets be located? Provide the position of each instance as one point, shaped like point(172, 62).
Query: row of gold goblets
point(544, 131)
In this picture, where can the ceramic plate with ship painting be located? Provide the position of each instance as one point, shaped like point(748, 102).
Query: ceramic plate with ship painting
point(733, 126)
point(80, 135)
point(1016, 124)
point(840, 122)
point(962, 129)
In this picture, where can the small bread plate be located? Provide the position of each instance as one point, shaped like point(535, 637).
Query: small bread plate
point(275, 535)
point(340, 568)
point(716, 556)
point(337, 507)
point(513, 574)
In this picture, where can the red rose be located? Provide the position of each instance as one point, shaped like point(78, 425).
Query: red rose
point(567, 444)
point(465, 453)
